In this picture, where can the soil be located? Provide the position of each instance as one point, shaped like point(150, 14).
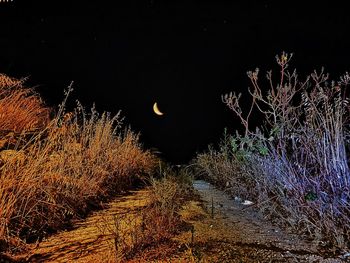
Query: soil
point(239, 233)
point(91, 239)
point(216, 228)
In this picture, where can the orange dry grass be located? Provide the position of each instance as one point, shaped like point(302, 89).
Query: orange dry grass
point(151, 232)
point(75, 162)
point(20, 108)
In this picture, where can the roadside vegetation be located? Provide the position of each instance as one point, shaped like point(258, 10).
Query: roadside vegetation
point(140, 226)
point(154, 227)
point(295, 166)
point(58, 167)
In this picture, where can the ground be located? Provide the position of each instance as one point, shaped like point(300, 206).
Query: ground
point(214, 228)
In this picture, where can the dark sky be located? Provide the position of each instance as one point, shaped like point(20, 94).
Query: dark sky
point(182, 54)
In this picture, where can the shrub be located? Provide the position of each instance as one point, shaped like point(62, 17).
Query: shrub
point(299, 165)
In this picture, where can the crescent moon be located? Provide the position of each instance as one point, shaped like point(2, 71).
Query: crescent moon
point(156, 110)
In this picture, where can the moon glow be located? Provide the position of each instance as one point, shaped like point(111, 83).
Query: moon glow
point(156, 109)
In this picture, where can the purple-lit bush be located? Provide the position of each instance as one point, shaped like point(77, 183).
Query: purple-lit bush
point(299, 160)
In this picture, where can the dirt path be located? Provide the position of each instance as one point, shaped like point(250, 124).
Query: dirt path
point(238, 233)
point(216, 228)
point(93, 239)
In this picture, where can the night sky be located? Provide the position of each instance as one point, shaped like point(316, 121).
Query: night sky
point(182, 54)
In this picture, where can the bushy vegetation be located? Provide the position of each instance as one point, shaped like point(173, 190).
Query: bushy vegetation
point(56, 169)
point(21, 110)
point(160, 220)
point(146, 234)
point(296, 165)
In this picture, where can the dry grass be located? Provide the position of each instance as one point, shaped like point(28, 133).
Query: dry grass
point(219, 168)
point(21, 109)
point(145, 235)
point(160, 220)
point(71, 163)
point(297, 167)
